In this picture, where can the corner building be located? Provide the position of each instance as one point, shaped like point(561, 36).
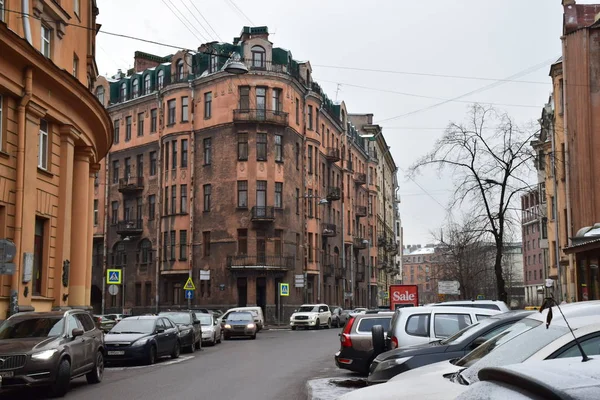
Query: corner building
point(240, 182)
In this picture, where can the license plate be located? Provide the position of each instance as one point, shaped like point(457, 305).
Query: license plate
point(115, 353)
point(7, 374)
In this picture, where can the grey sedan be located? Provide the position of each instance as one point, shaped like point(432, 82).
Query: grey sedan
point(239, 324)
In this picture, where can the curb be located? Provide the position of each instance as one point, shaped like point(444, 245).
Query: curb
point(276, 328)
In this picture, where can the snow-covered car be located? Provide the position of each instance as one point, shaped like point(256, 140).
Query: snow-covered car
point(311, 316)
point(487, 304)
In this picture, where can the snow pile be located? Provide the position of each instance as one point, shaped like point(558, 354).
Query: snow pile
point(332, 388)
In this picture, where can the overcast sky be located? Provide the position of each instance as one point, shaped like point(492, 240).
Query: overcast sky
point(465, 38)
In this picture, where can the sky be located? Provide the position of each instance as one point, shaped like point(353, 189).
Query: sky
point(418, 53)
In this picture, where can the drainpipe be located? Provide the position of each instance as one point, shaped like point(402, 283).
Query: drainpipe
point(190, 166)
point(26, 25)
point(105, 234)
point(28, 85)
point(159, 203)
point(556, 221)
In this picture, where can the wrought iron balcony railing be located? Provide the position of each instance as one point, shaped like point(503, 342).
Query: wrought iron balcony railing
point(131, 184)
point(333, 154)
point(130, 228)
point(328, 230)
point(266, 213)
point(260, 115)
point(260, 262)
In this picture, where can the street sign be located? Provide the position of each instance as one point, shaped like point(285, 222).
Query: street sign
point(404, 294)
point(113, 276)
point(113, 289)
point(299, 281)
point(441, 297)
point(189, 285)
point(348, 295)
point(480, 297)
point(189, 294)
point(222, 287)
point(204, 275)
point(8, 250)
point(284, 289)
point(7, 269)
point(448, 287)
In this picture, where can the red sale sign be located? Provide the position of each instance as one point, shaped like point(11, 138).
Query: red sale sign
point(404, 296)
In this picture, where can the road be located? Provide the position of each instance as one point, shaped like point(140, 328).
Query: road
point(274, 366)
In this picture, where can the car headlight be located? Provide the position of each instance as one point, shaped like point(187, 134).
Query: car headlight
point(44, 355)
point(227, 326)
point(313, 317)
point(184, 332)
point(250, 326)
point(140, 342)
point(391, 363)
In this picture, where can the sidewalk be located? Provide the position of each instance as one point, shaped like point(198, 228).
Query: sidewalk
point(276, 327)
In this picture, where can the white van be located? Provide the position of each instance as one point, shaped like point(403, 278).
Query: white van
point(259, 318)
point(489, 304)
point(416, 325)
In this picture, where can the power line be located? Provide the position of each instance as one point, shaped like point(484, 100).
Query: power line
point(188, 21)
point(235, 7)
point(193, 15)
point(207, 23)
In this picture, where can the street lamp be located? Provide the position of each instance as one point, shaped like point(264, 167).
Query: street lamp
point(235, 65)
point(370, 300)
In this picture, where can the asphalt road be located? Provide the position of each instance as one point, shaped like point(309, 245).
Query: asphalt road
point(274, 366)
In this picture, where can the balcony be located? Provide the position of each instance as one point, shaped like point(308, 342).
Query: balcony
point(391, 246)
point(263, 214)
point(360, 211)
point(261, 262)
point(382, 264)
point(328, 230)
point(359, 243)
point(260, 116)
point(349, 166)
point(333, 154)
point(334, 193)
point(130, 228)
point(131, 184)
point(381, 241)
point(360, 179)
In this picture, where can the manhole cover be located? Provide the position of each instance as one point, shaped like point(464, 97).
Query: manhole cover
point(349, 383)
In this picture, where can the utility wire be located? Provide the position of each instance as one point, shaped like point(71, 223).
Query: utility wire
point(207, 23)
point(184, 17)
point(197, 20)
point(240, 10)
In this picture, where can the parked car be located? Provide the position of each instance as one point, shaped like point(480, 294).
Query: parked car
point(143, 338)
point(311, 315)
point(257, 313)
point(564, 378)
point(50, 349)
point(240, 324)
point(417, 325)
point(358, 310)
point(339, 316)
point(356, 344)
point(211, 328)
point(201, 310)
point(190, 329)
point(391, 363)
point(216, 313)
point(114, 317)
point(488, 304)
point(103, 323)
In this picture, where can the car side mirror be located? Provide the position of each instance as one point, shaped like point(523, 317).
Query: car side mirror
point(216, 322)
point(160, 330)
point(296, 310)
point(76, 332)
point(478, 342)
point(196, 322)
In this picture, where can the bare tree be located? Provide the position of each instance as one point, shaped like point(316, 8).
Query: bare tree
point(490, 159)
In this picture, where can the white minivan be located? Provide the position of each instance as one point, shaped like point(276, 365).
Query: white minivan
point(416, 325)
point(259, 318)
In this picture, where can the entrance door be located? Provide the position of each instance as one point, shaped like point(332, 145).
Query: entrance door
point(261, 293)
point(242, 287)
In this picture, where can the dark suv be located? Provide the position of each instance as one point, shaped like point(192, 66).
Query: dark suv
point(50, 349)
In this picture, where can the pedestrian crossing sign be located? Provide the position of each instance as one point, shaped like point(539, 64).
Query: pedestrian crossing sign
point(113, 276)
point(284, 289)
point(189, 285)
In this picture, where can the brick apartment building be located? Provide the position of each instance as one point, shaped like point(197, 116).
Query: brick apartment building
point(241, 182)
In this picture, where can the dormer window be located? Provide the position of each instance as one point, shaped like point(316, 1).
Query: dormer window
point(147, 84)
point(100, 94)
point(258, 57)
point(161, 79)
point(136, 88)
point(123, 93)
point(180, 70)
point(214, 63)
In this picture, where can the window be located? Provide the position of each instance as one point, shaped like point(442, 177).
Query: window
point(206, 243)
point(365, 324)
point(46, 41)
point(38, 256)
point(139, 165)
point(95, 211)
point(261, 146)
point(179, 70)
point(160, 81)
point(172, 245)
point(127, 129)
point(244, 98)
point(310, 203)
point(310, 159)
point(261, 195)
point(261, 102)
point(207, 151)
point(310, 247)
point(171, 105)
point(135, 87)
point(207, 193)
point(446, 325)
point(147, 84)
point(165, 245)
point(183, 202)
point(277, 102)
point(310, 117)
point(75, 66)
point(138, 294)
point(166, 198)
point(76, 9)
point(146, 252)
point(174, 154)
point(140, 124)
point(182, 245)
point(153, 120)
point(116, 129)
point(278, 148)
point(166, 158)
point(43, 145)
point(590, 345)
point(534, 271)
point(207, 105)
point(99, 92)
point(127, 168)
point(278, 194)
point(418, 325)
point(214, 63)
point(553, 205)
point(258, 57)
point(152, 163)
point(297, 111)
point(242, 241)
point(561, 99)
point(123, 92)
point(297, 156)
point(242, 146)
point(242, 188)
point(184, 109)
point(114, 217)
point(115, 171)
point(151, 206)
point(297, 201)
point(277, 242)
point(2, 6)
point(184, 153)
point(174, 199)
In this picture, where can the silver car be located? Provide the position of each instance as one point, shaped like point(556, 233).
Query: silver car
point(339, 316)
point(211, 328)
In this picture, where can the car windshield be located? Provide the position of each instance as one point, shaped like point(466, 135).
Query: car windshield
point(529, 337)
point(134, 325)
point(240, 317)
point(205, 319)
point(32, 328)
point(178, 318)
point(309, 309)
point(465, 332)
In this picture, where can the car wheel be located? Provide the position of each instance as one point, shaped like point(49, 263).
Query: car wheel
point(226, 337)
point(198, 344)
point(60, 387)
point(293, 328)
point(176, 350)
point(318, 325)
point(219, 339)
point(191, 348)
point(253, 337)
point(95, 375)
point(329, 323)
point(151, 357)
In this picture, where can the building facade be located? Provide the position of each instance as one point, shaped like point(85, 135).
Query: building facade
point(534, 254)
point(53, 133)
point(419, 267)
point(241, 182)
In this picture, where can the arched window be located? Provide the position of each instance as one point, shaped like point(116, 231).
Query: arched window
point(119, 257)
point(147, 84)
point(180, 70)
point(136, 88)
point(123, 93)
point(145, 254)
point(161, 79)
point(100, 94)
point(258, 57)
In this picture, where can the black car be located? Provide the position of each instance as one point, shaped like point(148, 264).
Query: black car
point(143, 338)
point(391, 363)
point(190, 331)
